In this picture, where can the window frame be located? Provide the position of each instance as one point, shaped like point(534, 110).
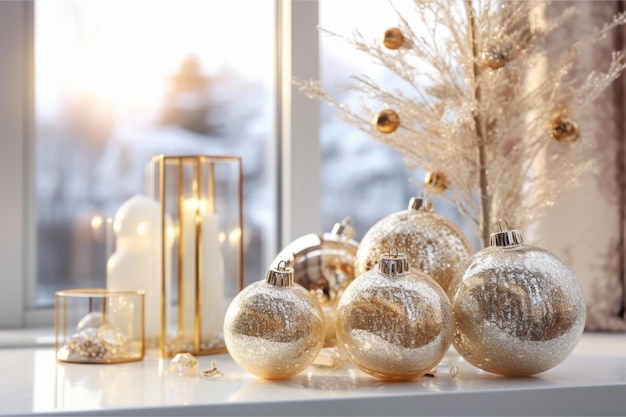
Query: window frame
point(15, 210)
point(296, 156)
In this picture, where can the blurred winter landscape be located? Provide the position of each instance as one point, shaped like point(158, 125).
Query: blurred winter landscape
point(111, 94)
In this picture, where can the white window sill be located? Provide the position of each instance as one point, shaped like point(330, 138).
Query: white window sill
point(38, 337)
point(592, 381)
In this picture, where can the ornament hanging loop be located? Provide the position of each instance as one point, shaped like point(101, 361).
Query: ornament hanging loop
point(393, 263)
point(421, 203)
point(506, 237)
point(281, 276)
point(345, 228)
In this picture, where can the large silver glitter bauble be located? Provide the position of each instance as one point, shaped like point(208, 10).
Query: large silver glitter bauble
point(518, 309)
point(274, 328)
point(392, 323)
point(324, 265)
point(432, 244)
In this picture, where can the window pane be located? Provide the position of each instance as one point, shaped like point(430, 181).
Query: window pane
point(362, 178)
point(120, 81)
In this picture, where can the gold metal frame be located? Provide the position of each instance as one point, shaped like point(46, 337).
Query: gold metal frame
point(199, 185)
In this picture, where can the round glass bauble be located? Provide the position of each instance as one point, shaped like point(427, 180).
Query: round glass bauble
point(432, 244)
point(394, 325)
point(518, 309)
point(324, 265)
point(274, 328)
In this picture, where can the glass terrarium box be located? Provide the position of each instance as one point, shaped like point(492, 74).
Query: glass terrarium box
point(99, 326)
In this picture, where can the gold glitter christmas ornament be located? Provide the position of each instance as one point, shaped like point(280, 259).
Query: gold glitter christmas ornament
point(518, 309)
point(392, 323)
point(432, 244)
point(395, 39)
point(274, 328)
point(564, 129)
point(497, 56)
point(324, 265)
point(387, 121)
point(435, 181)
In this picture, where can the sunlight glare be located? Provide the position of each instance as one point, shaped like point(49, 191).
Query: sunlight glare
point(127, 50)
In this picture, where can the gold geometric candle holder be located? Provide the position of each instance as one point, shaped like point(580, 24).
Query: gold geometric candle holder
point(99, 326)
point(200, 200)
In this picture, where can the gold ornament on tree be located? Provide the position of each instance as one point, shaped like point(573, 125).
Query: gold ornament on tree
point(435, 182)
point(478, 107)
point(393, 323)
point(564, 129)
point(433, 244)
point(274, 328)
point(497, 57)
point(394, 39)
point(387, 121)
point(518, 309)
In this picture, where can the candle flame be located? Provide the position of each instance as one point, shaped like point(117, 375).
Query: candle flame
point(201, 205)
point(96, 222)
point(234, 235)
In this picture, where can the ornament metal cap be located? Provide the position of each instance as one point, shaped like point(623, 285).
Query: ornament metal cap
point(420, 203)
point(280, 276)
point(393, 263)
point(506, 237)
point(344, 229)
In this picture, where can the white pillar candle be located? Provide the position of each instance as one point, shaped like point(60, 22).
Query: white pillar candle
point(212, 278)
point(211, 275)
point(186, 294)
